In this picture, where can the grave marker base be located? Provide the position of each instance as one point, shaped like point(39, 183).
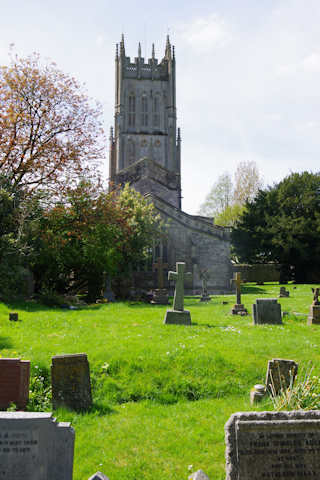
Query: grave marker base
point(177, 317)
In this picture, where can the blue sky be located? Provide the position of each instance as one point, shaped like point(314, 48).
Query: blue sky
point(248, 73)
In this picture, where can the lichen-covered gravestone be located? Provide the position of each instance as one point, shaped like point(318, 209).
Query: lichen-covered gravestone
point(14, 382)
point(33, 446)
point(178, 315)
point(266, 311)
point(273, 445)
point(71, 387)
point(280, 374)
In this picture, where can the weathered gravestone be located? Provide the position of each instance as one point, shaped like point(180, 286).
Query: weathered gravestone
point(280, 374)
point(13, 317)
point(160, 295)
point(238, 308)
point(198, 475)
point(204, 276)
point(71, 387)
point(14, 382)
point(98, 476)
point(314, 313)
point(266, 310)
point(33, 446)
point(178, 315)
point(273, 445)
point(283, 292)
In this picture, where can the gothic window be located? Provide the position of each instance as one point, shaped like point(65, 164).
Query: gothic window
point(156, 111)
point(144, 111)
point(132, 110)
point(131, 152)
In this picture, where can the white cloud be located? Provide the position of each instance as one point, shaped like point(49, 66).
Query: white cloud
point(311, 63)
point(204, 34)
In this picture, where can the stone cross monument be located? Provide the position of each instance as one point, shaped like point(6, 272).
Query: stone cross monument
point(204, 275)
point(178, 315)
point(238, 308)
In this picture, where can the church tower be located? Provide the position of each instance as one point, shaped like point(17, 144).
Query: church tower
point(145, 146)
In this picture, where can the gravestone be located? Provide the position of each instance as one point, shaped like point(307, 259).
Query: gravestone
point(160, 295)
point(107, 292)
point(178, 315)
point(70, 376)
point(314, 313)
point(198, 475)
point(98, 476)
point(13, 317)
point(273, 445)
point(204, 276)
point(14, 382)
point(33, 446)
point(266, 311)
point(284, 293)
point(280, 374)
point(238, 308)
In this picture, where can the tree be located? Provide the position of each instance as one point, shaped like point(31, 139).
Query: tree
point(282, 224)
point(49, 131)
point(90, 234)
point(219, 197)
point(247, 182)
point(226, 200)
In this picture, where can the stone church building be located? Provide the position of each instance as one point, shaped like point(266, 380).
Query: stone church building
point(145, 151)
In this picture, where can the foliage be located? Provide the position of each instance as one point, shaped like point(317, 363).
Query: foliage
point(282, 224)
point(226, 200)
point(247, 182)
point(39, 390)
point(301, 395)
point(219, 197)
point(49, 132)
point(91, 234)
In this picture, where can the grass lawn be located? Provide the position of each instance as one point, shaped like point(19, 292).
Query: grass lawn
point(162, 393)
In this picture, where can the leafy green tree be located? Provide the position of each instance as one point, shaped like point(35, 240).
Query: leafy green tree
point(92, 233)
point(282, 224)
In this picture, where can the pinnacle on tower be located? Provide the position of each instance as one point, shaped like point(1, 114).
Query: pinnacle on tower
point(117, 51)
point(122, 48)
point(168, 49)
point(139, 50)
point(153, 54)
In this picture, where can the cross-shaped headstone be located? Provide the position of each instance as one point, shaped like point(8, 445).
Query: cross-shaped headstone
point(178, 276)
point(237, 281)
point(159, 266)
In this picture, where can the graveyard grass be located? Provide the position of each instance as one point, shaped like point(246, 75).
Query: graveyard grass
point(162, 393)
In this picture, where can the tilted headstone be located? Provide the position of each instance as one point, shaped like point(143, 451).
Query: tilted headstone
point(33, 446)
point(178, 315)
point(284, 293)
point(160, 295)
point(98, 476)
point(314, 313)
point(71, 387)
point(280, 374)
point(238, 308)
point(273, 445)
point(14, 382)
point(266, 310)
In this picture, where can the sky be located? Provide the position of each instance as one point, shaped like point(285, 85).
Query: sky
point(248, 73)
